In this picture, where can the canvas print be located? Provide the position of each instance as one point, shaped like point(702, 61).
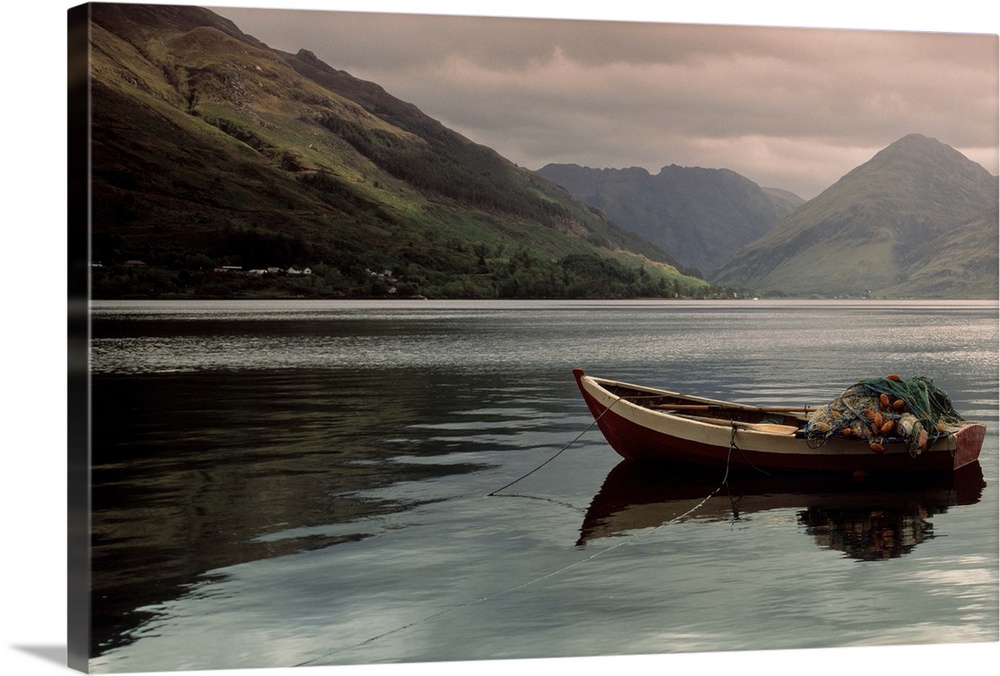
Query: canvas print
point(409, 338)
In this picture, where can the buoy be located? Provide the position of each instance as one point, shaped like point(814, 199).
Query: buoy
point(887, 426)
point(877, 447)
point(893, 377)
point(884, 400)
point(847, 432)
point(898, 405)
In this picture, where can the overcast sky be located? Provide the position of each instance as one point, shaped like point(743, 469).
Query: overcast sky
point(792, 108)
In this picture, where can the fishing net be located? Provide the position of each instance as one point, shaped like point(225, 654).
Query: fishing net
point(878, 410)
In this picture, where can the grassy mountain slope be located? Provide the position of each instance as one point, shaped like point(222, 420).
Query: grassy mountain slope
point(701, 216)
point(918, 219)
point(960, 263)
point(210, 149)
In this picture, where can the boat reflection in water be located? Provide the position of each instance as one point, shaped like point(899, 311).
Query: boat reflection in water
point(868, 518)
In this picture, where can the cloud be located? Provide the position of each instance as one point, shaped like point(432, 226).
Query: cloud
point(794, 108)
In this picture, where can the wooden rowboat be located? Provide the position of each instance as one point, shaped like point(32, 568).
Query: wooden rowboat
point(652, 424)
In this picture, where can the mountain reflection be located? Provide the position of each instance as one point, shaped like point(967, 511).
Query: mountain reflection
point(867, 519)
point(197, 472)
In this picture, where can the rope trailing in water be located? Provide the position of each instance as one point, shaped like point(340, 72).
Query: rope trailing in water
point(559, 452)
point(511, 590)
point(542, 578)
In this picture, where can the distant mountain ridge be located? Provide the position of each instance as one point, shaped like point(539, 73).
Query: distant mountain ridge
point(212, 152)
point(701, 217)
point(917, 220)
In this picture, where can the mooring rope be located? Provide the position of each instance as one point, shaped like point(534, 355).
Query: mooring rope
point(732, 445)
point(541, 578)
point(560, 571)
point(559, 452)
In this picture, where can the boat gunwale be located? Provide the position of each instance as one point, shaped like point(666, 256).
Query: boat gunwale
point(721, 405)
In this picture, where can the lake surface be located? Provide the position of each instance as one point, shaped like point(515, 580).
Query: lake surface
point(308, 483)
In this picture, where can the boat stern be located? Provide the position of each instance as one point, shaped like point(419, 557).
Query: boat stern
point(968, 443)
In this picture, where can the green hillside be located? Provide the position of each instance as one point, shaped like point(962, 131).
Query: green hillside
point(957, 264)
point(917, 220)
point(214, 156)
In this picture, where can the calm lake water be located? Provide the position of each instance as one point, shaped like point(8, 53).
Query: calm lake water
point(308, 483)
